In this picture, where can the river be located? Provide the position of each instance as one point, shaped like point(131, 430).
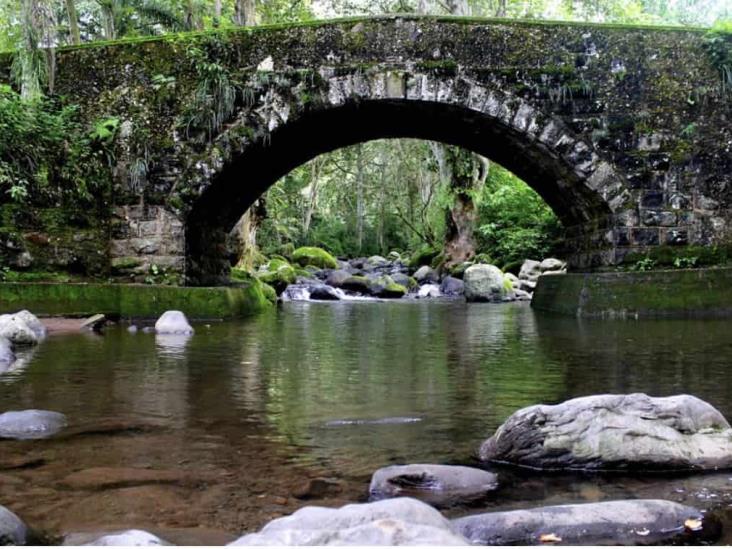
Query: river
point(202, 438)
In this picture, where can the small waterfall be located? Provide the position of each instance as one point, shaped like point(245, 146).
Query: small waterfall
point(296, 292)
point(429, 290)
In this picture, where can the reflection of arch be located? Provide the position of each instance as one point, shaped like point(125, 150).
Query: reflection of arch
point(582, 189)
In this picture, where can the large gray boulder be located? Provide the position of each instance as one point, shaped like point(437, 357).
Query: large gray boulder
point(630, 522)
point(16, 330)
point(337, 277)
point(12, 530)
point(426, 274)
point(530, 270)
point(615, 432)
point(452, 286)
point(484, 283)
point(173, 323)
point(36, 326)
point(439, 485)
point(7, 356)
point(31, 424)
point(401, 521)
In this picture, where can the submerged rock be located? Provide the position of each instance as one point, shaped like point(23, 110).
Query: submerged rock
point(13, 531)
point(484, 283)
point(323, 292)
point(15, 329)
point(401, 521)
point(31, 424)
point(615, 432)
point(173, 322)
point(440, 485)
point(629, 522)
point(129, 538)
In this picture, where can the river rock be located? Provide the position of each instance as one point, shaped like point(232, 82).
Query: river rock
point(439, 485)
point(452, 286)
point(7, 357)
point(17, 331)
point(31, 424)
point(129, 538)
point(615, 432)
point(173, 322)
point(484, 283)
point(403, 280)
point(429, 290)
point(528, 285)
point(337, 278)
point(512, 279)
point(628, 522)
point(552, 264)
point(376, 261)
point(13, 531)
point(426, 274)
point(530, 270)
point(521, 295)
point(323, 292)
point(33, 323)
point(357, 283)
point(400, 521)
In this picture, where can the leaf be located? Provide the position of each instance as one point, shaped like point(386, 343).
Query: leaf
point(549, 538)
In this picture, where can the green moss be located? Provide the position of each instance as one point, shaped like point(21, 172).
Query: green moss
point(674, 256)
point(269, 293)
point(133, 300)
point(423, 256)
point(357, 283)
point(317, 257)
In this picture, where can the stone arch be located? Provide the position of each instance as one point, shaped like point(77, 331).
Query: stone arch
point(285, 128)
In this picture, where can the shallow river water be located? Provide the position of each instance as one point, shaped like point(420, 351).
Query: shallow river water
point(201, 439)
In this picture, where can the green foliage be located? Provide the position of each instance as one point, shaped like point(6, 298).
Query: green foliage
point(46, 153)
point(162, 276)
point(718, 43)
point(645, 264)
point(514, 222)
point(105, 130)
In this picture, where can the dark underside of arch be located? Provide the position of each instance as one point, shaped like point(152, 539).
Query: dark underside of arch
point(250, 175)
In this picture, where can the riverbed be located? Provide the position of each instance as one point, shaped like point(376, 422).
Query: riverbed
point(200, 439)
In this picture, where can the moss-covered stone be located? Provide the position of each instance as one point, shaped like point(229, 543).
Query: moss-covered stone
point(357, 283)
point(317, 257)
point(133, 300)
point(653, 294)
point(278, 273)
point(423, 256)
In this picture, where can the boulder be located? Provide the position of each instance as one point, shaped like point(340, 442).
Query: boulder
point(552, 264)
point(17, 331)
point(404, 280)
point(12, 530)
point(317, 257)
point(7, 357)
point(521, 295)
point(278, 273)
point(337, 278)
point(31, 424)
point(615, 432)
point(394, 256)
point(356, 283)
point(426, 274)
point(384, 286)
point(528, 285)
point(376, 261)
point(628, 522)
point(424, 256)
point(530, 270)
point(173, 322)
point(452, 286)
point(129, 538)
point(323, 292)
point(400, 521)
point(513, 279)
point(549, 273)
point(429, 290)
point(33, 323)
point(484, 283)
point(439, 485)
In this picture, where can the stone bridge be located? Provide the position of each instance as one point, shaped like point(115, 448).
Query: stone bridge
point(626, 132)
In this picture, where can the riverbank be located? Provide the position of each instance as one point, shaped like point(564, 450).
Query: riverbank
point(689, 293)
point(138, 301)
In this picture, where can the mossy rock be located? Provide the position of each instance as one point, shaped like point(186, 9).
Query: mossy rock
point(317, 257)
point(458, 271)
point(384, 286)
point(299, 271)
point(357, 283)
point(278, 273)
point(240, 275)
point(423, 256)
point(513, 266)
point(269, 293)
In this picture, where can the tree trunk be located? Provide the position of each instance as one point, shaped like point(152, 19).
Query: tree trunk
point(247, 235)
point(467, 173)
point(313, 195)
point(360, 206)
point(37, 56)
point(244, 13)
point(217, 13)
point(73, 22)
